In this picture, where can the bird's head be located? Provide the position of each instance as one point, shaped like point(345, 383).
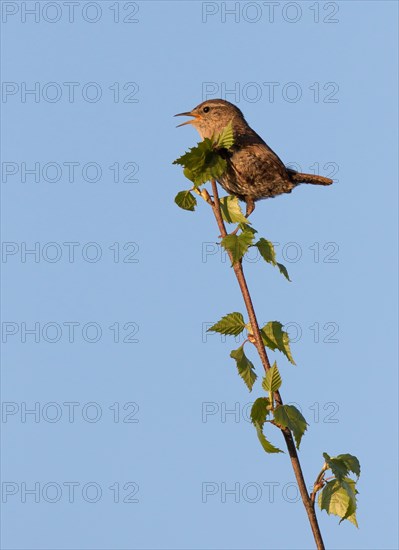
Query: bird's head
point(210, 117)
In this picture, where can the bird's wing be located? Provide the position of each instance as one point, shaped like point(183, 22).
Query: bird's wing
point(257, 162)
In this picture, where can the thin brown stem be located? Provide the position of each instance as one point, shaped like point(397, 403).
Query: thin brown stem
point(318, 484)
point(239, 273)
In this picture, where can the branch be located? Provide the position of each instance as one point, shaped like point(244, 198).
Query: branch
point(318, 484)
point(239, 273)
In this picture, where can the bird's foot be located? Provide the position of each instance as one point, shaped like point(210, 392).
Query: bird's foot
point(250, 207)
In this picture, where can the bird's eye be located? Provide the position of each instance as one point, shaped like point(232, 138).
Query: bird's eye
point(206, 109)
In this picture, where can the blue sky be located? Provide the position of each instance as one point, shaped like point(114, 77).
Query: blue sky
point(140, 437)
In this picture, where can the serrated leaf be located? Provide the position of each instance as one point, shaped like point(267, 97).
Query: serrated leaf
point(341, 465)
point(352, 518)
point(214, 167)
point(237, 245)
point(337, 466)
point(246, 227)
point(186, 200)
point(268, 253)
point(232, 324)
point(266, 250)
point(268, 447)
point(244, 366)
point(272, 381)
point(202, 163)
point(189, 174)
point(194, 158)
point(339, 498)
point(349, 485)
point(259, 411)
point(274, 337)
point(226, 137)
point(283, 271)
point(351, 462)
point(288, 416)
point(231, 210)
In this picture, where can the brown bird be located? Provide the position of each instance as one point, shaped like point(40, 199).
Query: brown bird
point(254, 171)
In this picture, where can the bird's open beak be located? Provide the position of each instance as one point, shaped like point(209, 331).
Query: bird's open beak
point(187, 121)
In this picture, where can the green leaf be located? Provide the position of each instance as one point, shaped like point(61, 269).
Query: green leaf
point(339, 495)
point(266, 250)
point(231, 210)
point(232, 323)
point(352, 518)
point(189, 174)
point(260, 410)
point(186, 200)
point(268, 447)
point(339, 498)
point(244, 366)
point(349, 485)
point(337, 466)
point(246, 227)
point(237, 245)
point(194, 158)
point(226, 137)
point(351, 462)
point(283, 271)
point(268, 253)
point(341, 465)
point(288, 416)
point(272, 381)
point(274, 337)
point(202, 163)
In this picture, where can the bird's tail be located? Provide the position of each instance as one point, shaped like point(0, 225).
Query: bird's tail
point(313, 179)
